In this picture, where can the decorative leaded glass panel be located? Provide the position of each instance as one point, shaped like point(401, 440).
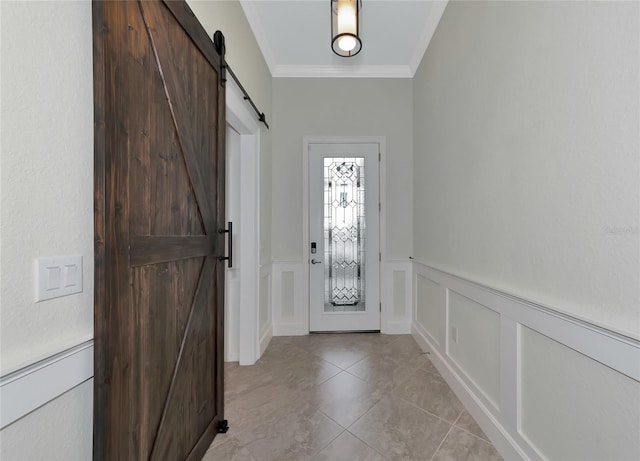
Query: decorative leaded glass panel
point(344, 234)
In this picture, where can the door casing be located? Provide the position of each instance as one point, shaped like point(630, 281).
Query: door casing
point(381, 141)
point(232, 276)
point(241, 119)
point(369, 319)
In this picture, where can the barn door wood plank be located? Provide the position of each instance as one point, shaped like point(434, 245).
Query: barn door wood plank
point(154, 249)
point(159, 201)
point(198, 35)
point(172, 65)
point(184, 405)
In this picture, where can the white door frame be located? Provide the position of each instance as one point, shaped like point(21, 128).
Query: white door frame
point(306, 140)
point(232, 275)
point(240, 117)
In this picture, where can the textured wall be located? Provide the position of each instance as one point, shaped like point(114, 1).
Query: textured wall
point(46, 208)
point(47, 172)
point(340, 107)
point(527, 153)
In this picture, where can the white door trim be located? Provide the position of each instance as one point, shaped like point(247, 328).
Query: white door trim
point(306, 140)
point(242, 119)
point(232, 275)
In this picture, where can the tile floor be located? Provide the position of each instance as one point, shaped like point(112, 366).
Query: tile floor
point(351, 397)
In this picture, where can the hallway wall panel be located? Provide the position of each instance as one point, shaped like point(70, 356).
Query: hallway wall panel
point(527, 153)
point(527, 198)
point(340, 107)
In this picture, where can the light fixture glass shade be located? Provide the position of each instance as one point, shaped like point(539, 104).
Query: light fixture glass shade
point(345, 27)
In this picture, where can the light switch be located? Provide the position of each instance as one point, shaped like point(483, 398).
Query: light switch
point(53, 278)
point(58, 276)
point(70, 275)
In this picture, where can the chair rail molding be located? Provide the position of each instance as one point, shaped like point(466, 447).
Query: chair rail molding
point(28, 388)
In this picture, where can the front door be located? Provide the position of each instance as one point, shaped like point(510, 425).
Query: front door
point(344, 237)
point(159, 209)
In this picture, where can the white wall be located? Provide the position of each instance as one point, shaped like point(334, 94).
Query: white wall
point(527, 153)
point(527, 182)
point(340, 107)
point(47, 172)
point(349, 108)
point(46, 207)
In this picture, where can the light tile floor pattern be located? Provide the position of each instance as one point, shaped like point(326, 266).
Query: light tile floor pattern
point(345, 397)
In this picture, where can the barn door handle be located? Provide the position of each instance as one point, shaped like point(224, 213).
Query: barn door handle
point(229, 258)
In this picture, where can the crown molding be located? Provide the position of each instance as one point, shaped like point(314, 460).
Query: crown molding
point(342, 72)
point(433, 19)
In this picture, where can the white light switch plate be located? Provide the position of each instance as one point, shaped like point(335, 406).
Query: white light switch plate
point(58, 276)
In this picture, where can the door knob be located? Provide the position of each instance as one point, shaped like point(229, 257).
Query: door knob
point(315, 261)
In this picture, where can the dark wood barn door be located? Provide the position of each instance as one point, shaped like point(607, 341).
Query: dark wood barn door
point(159, 206)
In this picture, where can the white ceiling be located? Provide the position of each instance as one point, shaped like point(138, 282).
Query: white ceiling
point(294, 36)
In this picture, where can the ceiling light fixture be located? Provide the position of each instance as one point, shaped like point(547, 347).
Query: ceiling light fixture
point(345, 27)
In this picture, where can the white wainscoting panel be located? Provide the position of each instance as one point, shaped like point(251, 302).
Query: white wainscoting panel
point(290, 298)
point(30, 387)
point(542, 385)
point(395, 280)
point(266, 310)
point(589, 410)
point(290, 289)
point(429, 313)
point(474, 345)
